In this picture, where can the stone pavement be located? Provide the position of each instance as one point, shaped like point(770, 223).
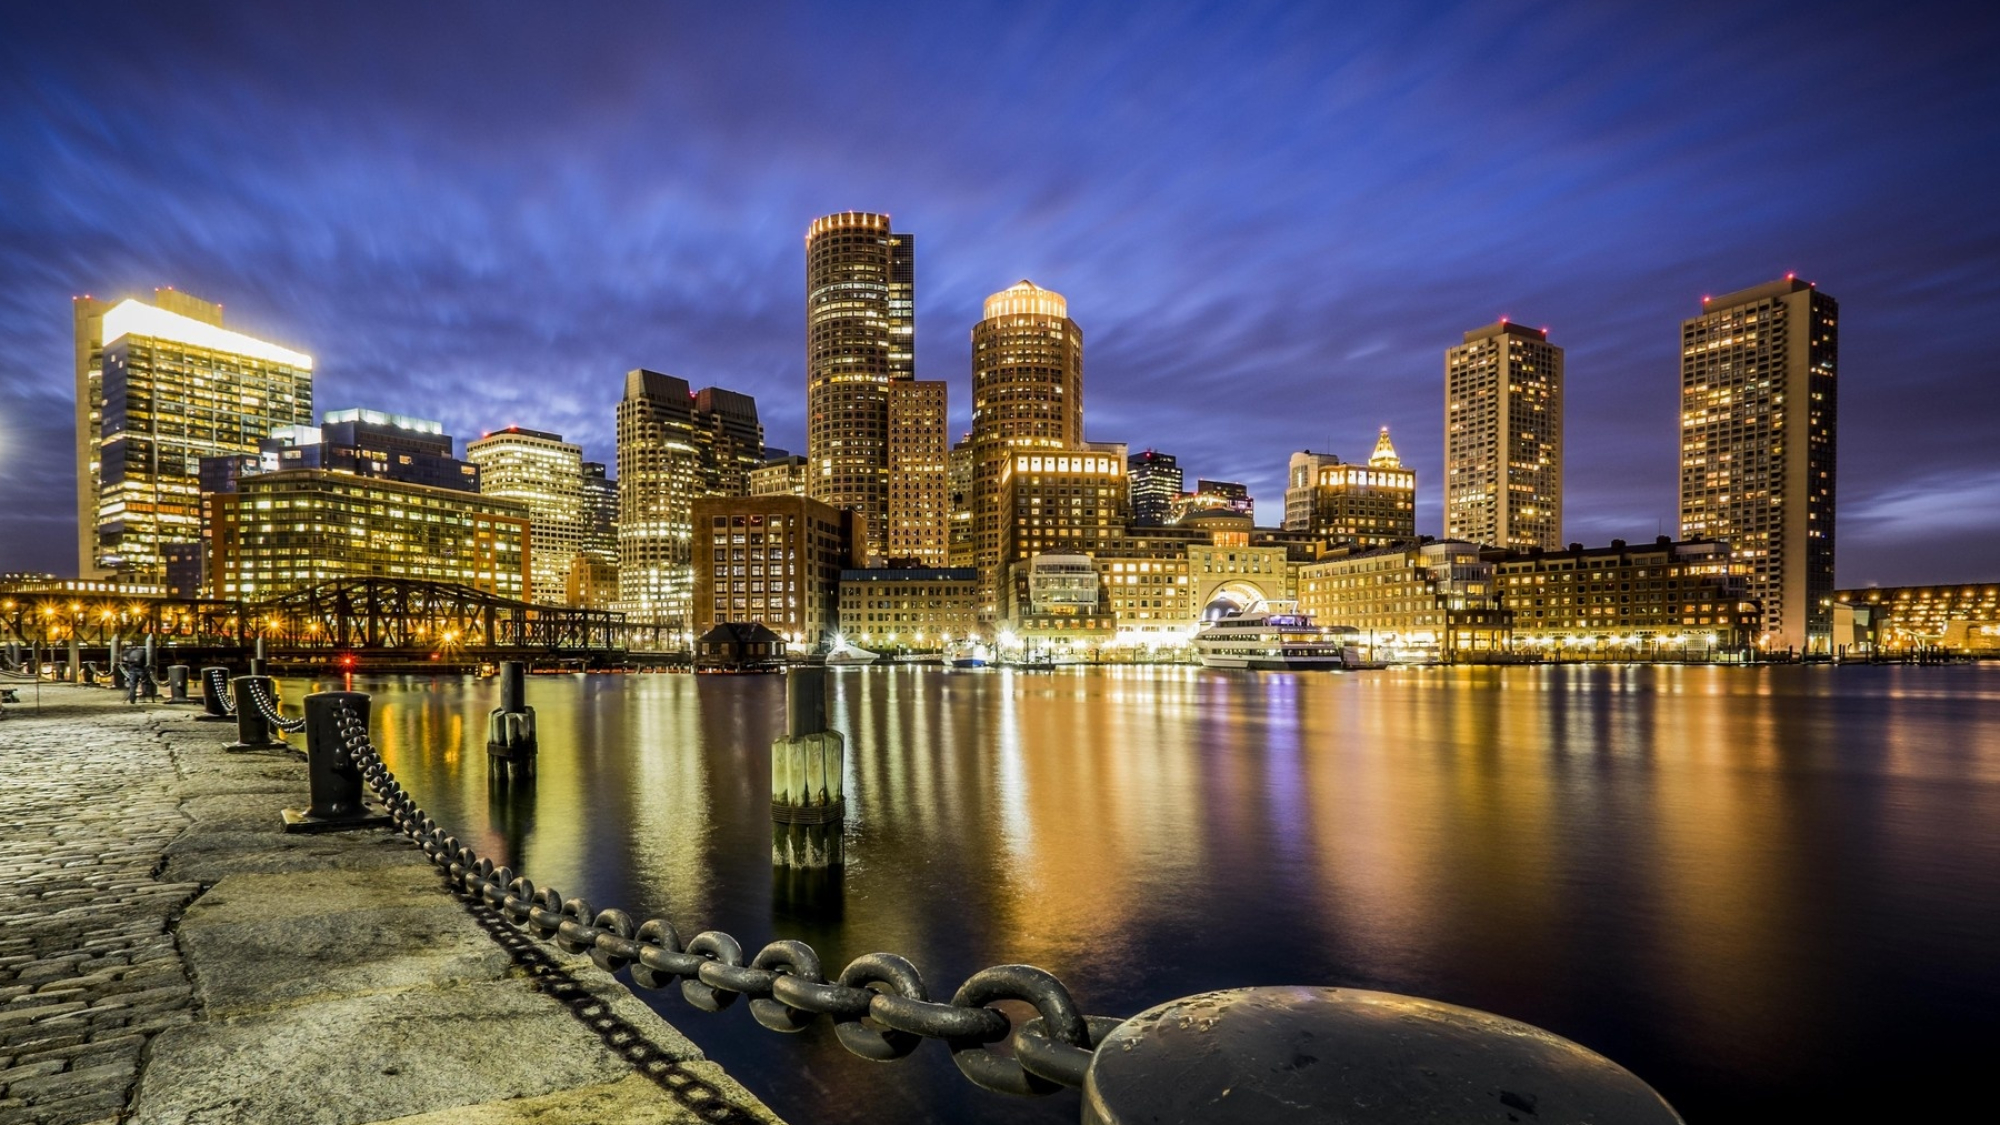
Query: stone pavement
point(168, 955)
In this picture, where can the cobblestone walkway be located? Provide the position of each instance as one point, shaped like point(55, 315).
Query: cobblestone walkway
point(89, 971)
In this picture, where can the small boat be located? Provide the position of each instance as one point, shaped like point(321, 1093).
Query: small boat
point(968, 656)
point(847, 656)
point(1275, 637)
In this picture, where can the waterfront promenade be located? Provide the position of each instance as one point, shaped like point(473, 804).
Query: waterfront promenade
point(168, 955)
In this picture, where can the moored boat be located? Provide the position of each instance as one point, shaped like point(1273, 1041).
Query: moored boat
point(1275, 637)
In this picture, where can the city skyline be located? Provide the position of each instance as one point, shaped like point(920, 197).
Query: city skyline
point(1282, 325)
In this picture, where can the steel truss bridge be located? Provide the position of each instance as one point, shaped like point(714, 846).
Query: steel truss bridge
point(360, 615)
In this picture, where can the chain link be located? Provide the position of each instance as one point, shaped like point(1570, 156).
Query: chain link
point(879, 1005)
point(268, 707)
point(218, 687)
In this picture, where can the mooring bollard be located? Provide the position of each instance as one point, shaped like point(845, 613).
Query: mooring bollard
point(1308, 1054)
point(214, 692)
point(253, 730)
point(808, 772)
point(510, 729)
point(336, 782)
point(257, 658)
point(148, 687)
point(177, 685)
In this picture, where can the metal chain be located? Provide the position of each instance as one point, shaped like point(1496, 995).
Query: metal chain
point(218, 686)
point(879, 1004)
point(268, 707)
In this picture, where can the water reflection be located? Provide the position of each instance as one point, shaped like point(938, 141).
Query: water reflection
point(1749, 885)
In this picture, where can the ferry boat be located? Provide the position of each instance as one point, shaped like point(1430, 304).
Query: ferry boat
point(1275, 637)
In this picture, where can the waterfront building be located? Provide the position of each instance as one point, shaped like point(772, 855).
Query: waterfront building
point(1229, 578)
point(172, 386)
point(1899, 619)
point(1060, 604)
point(1213, 496)
point(1657, 599)
point(1066, 502)
point(545, 473)
point(918, 515)
point(367, 443)
point(1759, 419)
point(960, 539)
point(287, 530)
point(781, 474)
point(1503, 438)
point(1430, 601)
point(772, 560)
point(1156, 484)
point(675, 446)
point(1302, 487)
point(921, 608)
point(1372, 505)
point(860, 337)
point(87, 315)
point(1027, 394)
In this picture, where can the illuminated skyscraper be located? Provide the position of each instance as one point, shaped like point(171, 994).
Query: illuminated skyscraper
point(545, 473)
point(1758, 424)
point(1503, 438)
point(1027, 394)
point(860, 337)
point(919, 504)
point(173, 388)
point(960, 545)
point(1156, 484)
point(593, 575)
point(675, 446)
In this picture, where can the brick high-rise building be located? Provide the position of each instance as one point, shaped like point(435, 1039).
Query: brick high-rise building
point(919, 500)
point(1758, 425)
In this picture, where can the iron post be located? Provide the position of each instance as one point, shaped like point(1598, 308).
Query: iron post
point(177, 685)
point(253, 730)
point(336, 783)
point(511, 744)
point(214, 689)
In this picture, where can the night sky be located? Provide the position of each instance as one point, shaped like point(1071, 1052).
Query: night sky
point(1269, 221)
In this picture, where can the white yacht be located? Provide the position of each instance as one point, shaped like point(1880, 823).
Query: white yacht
point(849, 656)
point(1275, 637)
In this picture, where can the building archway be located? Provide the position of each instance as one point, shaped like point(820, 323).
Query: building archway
point(1228, 599)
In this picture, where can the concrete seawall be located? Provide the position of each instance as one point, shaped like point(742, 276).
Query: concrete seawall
point(169, 956)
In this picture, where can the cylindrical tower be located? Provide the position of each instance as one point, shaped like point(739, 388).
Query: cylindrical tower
point(860, 335)
point(1027, 393)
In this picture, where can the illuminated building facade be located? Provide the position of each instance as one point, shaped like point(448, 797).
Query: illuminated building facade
point(367, 443)
point(1434, 601)
point(860, 337)
point(1156, 484)
point(783, 474)
point(1758, 423)
point(88, 316)
point(923, 608)
point(295, 528)
point(772, 560)
point(176, 388)
point(1213, 496)
point(1503, 438)
point(675, 446)
point(1660, 599)
point(961, 547)
point(1899, 619)
point(1372, 505)
point(544, 473)
point(1064, 502)
point(919, 500)
point(1301, 487)
point(1027, 394)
